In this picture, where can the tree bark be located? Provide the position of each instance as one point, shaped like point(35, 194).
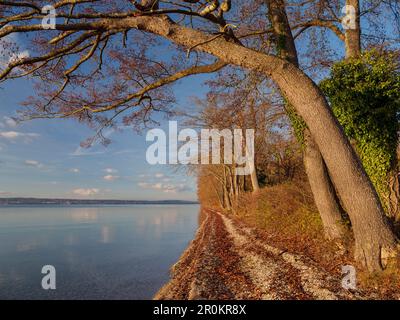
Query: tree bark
point(394, 194)
point(323, 191)
point(253, 178)
point(353, 35)
point(317, 173)
point(227, 195)
point(283, 33)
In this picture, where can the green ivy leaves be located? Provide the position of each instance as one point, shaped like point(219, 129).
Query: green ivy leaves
point(364, 94)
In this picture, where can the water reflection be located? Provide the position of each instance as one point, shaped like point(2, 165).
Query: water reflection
point(106, 234)
point(110, 252)
point(84, 214)
point(159, 224)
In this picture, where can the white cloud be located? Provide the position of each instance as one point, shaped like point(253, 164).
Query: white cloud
point(157, 186)
point(143, 184)
point(171, 188)
point(74, 170)
point(86, 192)
point(84, 152)
point(10, 122)
point(10, 134)
point(13, 135)
point(159, 175)
point(166, 188)
point(110, 170)
point(33, 163)
point(110, 177)
point(4, 193)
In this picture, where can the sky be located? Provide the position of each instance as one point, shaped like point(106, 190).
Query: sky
point(43, 158)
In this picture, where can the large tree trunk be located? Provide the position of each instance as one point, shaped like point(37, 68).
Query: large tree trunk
point(373, 235)
point(353, 35)
point(323, 191)
point(317, 174)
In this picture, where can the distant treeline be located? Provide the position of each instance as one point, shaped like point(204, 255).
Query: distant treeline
point(45, 201)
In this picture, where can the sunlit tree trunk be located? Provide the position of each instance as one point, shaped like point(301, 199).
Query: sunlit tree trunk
point(253, 176)
point(317, 173)
point(323, 191)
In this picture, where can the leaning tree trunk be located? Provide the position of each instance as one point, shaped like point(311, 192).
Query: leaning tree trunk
point(323, 191)
point(321, 185)
point(374, 238)
point(373, 235)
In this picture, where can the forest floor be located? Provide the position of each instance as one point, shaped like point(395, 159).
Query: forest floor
point(229, 260)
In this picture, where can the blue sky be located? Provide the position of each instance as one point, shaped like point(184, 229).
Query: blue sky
point(43, 158)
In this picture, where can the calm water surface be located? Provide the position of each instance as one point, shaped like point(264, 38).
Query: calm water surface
point(104, 252)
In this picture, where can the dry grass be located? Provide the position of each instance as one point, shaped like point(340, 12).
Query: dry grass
point(286, 216)
point(385, 285)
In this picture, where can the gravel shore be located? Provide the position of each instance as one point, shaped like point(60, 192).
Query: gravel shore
point(227, 260)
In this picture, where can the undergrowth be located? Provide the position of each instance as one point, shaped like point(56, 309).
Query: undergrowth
point(285, 216)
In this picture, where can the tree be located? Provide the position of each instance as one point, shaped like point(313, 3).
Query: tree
point(354, 38)
point(86, 30)
point(322, 15)
point(320, 182)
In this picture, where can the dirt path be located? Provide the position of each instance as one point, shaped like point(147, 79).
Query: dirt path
point(226, 261)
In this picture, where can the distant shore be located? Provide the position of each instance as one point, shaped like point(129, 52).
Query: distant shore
point(49, 201)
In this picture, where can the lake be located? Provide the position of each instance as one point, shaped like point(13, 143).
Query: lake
point(99, 252)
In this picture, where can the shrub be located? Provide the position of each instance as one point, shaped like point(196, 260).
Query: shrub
point(364, 94)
